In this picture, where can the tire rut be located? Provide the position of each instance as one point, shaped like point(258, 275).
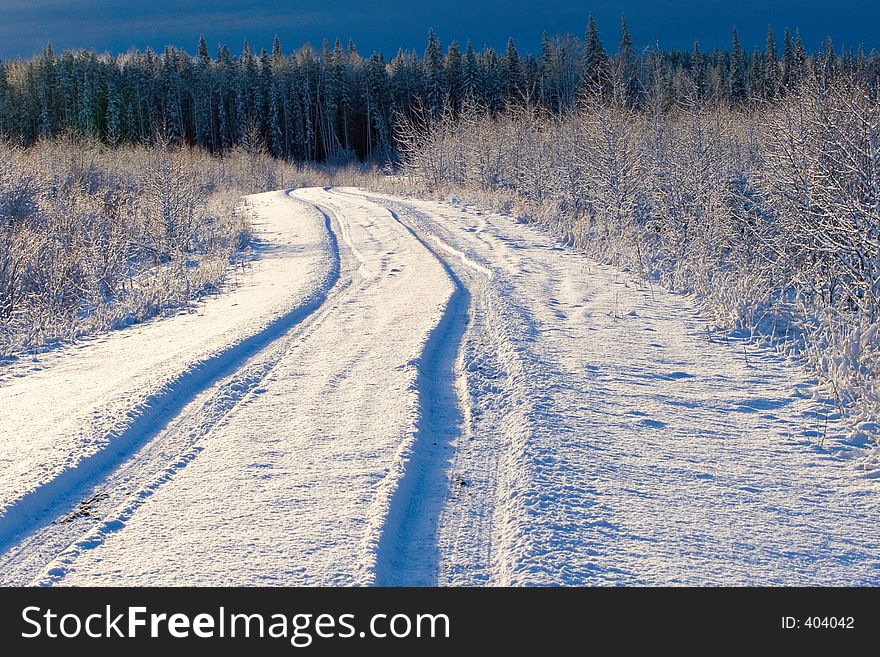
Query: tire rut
point(78, 511)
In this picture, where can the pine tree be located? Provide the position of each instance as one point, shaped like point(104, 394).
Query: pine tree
point(47, 82)
point(514, 81)
point(626, 68)
point(85, 104)
point(470, 74)
point(377, 83)
point(204, 57)
point(202, 106)
point(242, 93)
point(737, 75)
point(789, 66)
point(829, 60)
point(771, 66)
point(595, 66)
point(433, 63)
point(491, 79)
point(698, 67)
point(171, 98)
point(549, 95)
point(276, 137)
point(800, 58)
point(755, 74)
point(453, 72)
point(114, 109)
point(861, 64)
point(226, 76)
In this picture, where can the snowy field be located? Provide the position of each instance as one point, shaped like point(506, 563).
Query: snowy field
point(408, 393)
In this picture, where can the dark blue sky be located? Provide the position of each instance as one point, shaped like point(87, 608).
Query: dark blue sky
point(27, 25)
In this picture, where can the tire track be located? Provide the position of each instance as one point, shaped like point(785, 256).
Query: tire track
point(304, 472)
point(475, 530)
point(47, 529)
point(407, 553)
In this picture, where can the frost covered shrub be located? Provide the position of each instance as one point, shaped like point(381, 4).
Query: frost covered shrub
point(92, 238)
point(821, 185)
point(769, 213)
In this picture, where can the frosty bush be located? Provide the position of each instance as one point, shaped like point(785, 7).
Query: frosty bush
point(92, 238)
point(769, 212)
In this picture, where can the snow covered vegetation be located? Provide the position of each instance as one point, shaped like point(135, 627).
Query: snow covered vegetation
point(93, 238)
point(768, 213)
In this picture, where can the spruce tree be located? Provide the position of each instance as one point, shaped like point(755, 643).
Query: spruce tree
point(755, 74)
point(491, 79)
point(531, 78)
point(433, 65)
point(513, 73)
point(595, 62)
point(242, 93)
point(470, 79)
point(226, 74)
point(789, 65)
point(202, 105)
point(861, 64)
point(453, 72)
point(626, 42)
point(800, 58)
point(771, 66)
point(377, 83)
point(204, 57)
point(698, 68)
point(737, 73)
point(263, 97)
point(829, 60)
point(113, 119)
point(626, 67)
point(132, 131)
point(171, 98)
point(276, 137)
point(46, 86)
point(549, 95)
point(294, 116)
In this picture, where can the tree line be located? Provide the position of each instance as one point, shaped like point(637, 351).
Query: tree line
point(337, 105)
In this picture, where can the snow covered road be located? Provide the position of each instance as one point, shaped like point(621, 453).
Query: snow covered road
point(403, 392)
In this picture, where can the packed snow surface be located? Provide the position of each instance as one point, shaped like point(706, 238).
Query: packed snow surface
point(403, 392)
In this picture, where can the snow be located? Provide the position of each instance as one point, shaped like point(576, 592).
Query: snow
point(98, 402)
point(403, 392)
